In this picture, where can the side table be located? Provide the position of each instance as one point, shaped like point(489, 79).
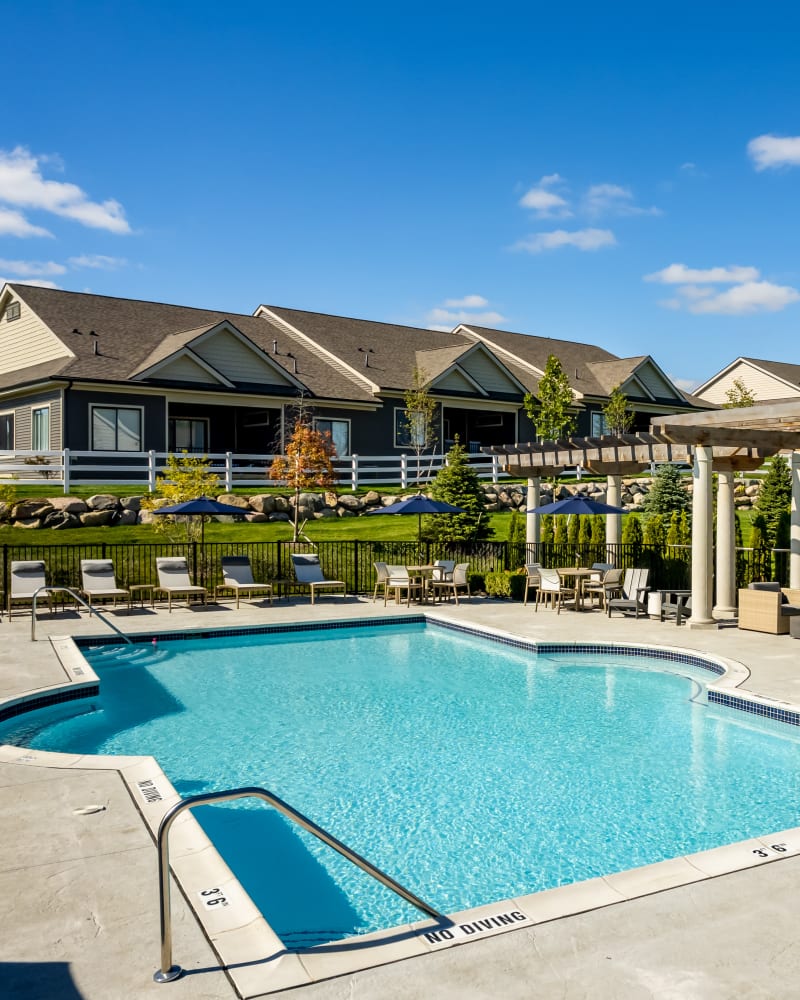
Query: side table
point(141, 589)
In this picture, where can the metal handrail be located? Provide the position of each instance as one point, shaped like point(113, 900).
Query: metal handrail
point(92, 610)
point(168, 971)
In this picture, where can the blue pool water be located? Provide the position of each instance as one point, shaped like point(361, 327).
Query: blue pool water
point(468, 770)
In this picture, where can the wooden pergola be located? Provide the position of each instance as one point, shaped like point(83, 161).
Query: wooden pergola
point(715, 441)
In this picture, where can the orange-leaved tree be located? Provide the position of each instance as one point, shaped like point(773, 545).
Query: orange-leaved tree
point(308, 463)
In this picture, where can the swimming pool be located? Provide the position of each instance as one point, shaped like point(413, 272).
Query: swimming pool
point(468, 770)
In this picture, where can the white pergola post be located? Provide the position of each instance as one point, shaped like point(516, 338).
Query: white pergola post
point(794, 544)
point(702, 561)
point(613, 521)
point(533, 533)
point(725, 606)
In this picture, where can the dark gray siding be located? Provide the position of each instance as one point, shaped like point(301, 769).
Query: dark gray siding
point(77, 431)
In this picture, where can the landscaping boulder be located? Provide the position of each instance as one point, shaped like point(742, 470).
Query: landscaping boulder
point(28, 522)
point(263, 503)
point(72, 505)
point(27, 509)
point(279, 515)
point(351, 503)
point(372, 498)
point(103, 501)
point(60, 520)
point(256, 517)
point(131, 503)
point(127, 517)
point(281, 506)
point(97, 518)
point(234, 501)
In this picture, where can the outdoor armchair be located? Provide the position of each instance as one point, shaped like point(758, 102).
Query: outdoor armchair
point(399, 580)
point(609, 585)
point(237, 575)
point(552, 587)
point(381, 576)
point(173, 580)
point(459, 580)
point(532, 579)
point(634, 590)
point(768, 607)
point(98, 581)
point(308, 572)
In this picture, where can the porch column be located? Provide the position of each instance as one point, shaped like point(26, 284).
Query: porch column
point(702, 568)
point(613, 521)
point(533, 532)
point(725, 606)
point(794, 544)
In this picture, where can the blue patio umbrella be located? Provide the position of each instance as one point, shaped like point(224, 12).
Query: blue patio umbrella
point(419, 505)
point(576, 505)
point(199, 507)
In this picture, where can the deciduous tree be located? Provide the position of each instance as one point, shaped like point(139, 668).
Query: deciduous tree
point(552, 414)
point(618, 418)
point(738, 395)
point(185, 477)
point(307, 464)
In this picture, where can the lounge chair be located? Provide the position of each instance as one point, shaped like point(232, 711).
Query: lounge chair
point(550, 585)
point(634, 590)
point(309, 573)
point(532, 579)
point(173, 580)
point(459, 580)
point(98, 581)
point(26, 578)
point(237, 575)
point(768, 607)
point(399, 580)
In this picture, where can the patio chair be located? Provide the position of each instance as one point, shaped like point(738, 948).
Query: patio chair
point(399, 580)
point(768, 607)
point(550, 585)
point(381, 576)
point(98, 581)
point(634, 589)
point(26, 578)
point(609, 585)
point(309, 573)
point(237, 575)
point(532, 579)
point(459, 580)
point(680, 608)
point(443, 569)
point(173, 580)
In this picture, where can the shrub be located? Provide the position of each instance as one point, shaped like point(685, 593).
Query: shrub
point(498, 583)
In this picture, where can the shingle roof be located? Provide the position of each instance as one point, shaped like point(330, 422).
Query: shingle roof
point(781, 369)
point(128, 331)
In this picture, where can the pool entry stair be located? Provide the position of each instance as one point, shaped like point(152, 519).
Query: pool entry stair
point(168, 972)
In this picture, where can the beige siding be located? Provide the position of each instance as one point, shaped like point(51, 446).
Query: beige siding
point(22, 420)
point(762, 385)
point(184, 369)
point(236, 361)
point(455, 382)
point(27, 341)
point(486, 373)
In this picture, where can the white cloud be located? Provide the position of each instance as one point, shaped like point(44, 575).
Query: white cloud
point(446, 319)
point(15, 224)
point(468, 302)
point(694, 292)
point(22, 185)
point(582, 239)
point(32, 268)
point(684, 384)
point(98, 262)
point(680, 274)
point(612, 199)
point(544, 202)
point(770, 151)
point(38, 282)
point(750, 297)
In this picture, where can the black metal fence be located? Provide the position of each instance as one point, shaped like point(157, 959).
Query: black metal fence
point(670, 566)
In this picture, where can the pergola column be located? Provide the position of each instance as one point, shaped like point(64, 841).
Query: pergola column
point(794, 544)
point(533, 531)
point(725, 606)
point(613, 521)
point(702, 568)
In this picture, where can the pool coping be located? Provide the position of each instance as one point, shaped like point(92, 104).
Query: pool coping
point(254, 958)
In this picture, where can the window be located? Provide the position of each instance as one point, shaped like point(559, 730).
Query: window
point(40, 428)
point(6, 431)
point(599, 424)
point(409, 429)
point(188, 434)
point(116, 428)
point(339, 431)
point(12, 312)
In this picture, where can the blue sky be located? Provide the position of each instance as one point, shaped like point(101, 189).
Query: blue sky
point(608, 174)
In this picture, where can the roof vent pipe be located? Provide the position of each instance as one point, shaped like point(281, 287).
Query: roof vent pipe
point(274, 346)
point(95, 347)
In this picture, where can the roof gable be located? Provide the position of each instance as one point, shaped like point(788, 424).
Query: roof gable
point(766, 380)
point(27, 340)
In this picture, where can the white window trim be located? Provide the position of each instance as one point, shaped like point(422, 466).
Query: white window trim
point(35, 409)
point(340, 420)
point(114, 406)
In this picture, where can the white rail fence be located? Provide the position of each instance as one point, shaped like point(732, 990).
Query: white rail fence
point(66, 469)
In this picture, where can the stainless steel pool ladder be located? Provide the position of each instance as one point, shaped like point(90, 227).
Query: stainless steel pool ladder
point(90, 608)
point(168, 971)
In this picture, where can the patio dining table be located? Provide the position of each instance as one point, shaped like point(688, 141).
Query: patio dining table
point(574, 576)
point(423, 575)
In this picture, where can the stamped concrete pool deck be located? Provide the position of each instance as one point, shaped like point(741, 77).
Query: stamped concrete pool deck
point(78, 870)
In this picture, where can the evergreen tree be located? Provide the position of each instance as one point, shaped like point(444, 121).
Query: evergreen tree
point(632, 530)
point(552, 415)
point(684, 532)
point(516, 540)
point(458, 483)
point(666, 492)
point(761, 555)
point(560, 529)
point(654, 533)
point(674, 533)
point(546, 532)
point(598, 529)
point(775, 495)
point(585, 531)
point(573, 529)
